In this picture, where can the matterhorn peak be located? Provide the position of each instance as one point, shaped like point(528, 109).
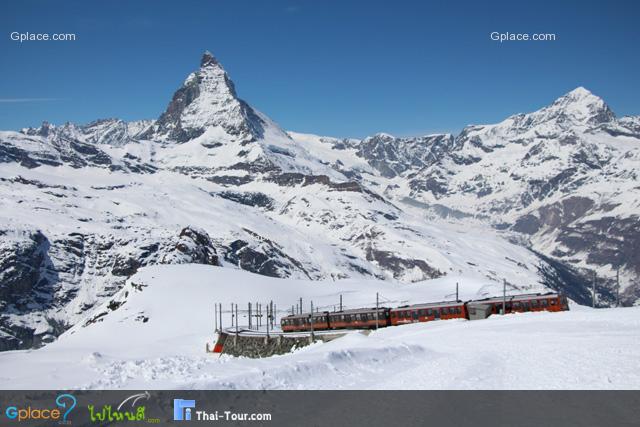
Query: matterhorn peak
point(208, 59)
point(206, 100)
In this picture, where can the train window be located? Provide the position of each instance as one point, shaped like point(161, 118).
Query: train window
point(429, 312)
point(553, 302)
point(458, 310)
point(544, 303)
point(535, 303)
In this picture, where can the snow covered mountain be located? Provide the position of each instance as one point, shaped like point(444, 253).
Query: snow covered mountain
point(564, 177)
point(213, 181)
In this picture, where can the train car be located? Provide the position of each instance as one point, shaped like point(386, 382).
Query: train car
point(480, 309)
point(302, 322)
point(360, 318)
point(427, 312)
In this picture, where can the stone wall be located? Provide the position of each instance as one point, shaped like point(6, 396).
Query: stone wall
point(261, 346)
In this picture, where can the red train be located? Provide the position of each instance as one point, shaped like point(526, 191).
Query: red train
point(367, 318)
point(360, 318)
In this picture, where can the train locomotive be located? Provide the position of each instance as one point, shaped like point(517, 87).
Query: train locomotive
point(370, 318)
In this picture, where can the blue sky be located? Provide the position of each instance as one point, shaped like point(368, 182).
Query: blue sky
point(341, 68)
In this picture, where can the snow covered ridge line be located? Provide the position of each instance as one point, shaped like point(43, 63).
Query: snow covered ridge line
point(95, 203)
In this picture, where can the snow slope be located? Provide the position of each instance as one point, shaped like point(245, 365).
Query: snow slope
point(580, 349)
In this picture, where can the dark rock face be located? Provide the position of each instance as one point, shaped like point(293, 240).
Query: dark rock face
point(399, 266)
point(576, 283)
point(268, 258)
point(28, 283)
point(607, 241)
point(41, 276)
point(290, 179)
point(393, 156)
point(250, 198)
point(434, 182)
point(20, 266)
point(194, 246)
point(553, 216)
point(75, 146)
point(230, 180)
point(169, 122)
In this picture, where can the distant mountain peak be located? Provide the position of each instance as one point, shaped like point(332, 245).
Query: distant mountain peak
point(580, 91)
point(208, 59)
point(579, 95)
point(206, 100)
point(580, 106)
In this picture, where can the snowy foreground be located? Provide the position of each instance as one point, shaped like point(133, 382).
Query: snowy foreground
point(580, 349)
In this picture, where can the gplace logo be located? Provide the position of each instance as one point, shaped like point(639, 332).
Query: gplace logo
point(64, 402)
point(182, 409)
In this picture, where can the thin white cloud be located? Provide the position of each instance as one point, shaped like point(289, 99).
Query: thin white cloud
point(15, 100)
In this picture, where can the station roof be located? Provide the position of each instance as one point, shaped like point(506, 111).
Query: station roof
point(515, 298)
point(429, 305)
